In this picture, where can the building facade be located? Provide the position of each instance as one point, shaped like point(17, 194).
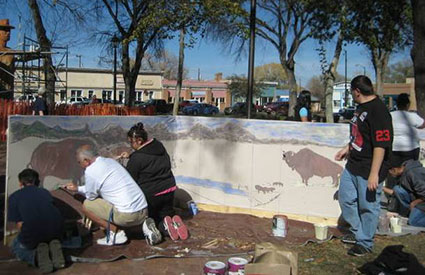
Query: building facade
point(85, 82)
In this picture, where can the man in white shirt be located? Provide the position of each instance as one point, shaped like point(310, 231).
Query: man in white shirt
point(113, 199)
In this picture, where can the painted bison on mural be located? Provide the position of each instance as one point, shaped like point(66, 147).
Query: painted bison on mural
point(58, 159)
point(308, 164)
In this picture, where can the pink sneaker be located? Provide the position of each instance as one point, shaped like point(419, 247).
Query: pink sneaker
point(180, 227)
point(169, 226)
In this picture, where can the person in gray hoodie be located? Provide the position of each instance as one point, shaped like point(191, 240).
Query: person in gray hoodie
point(411, 192)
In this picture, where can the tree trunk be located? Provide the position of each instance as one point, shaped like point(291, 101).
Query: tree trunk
point(292, 91)
point(330, 80)
point(418, 53)
point(130, 74)
point(179, 73)
point(45, 46)
point(380, 63)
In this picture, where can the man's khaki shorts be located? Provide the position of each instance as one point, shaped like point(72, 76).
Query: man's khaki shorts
point(102, 209)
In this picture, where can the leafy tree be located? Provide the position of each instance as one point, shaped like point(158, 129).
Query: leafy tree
point(383, 26)
point(418, 52)
point(270, 72)
point(398, 72)
point(238, 87)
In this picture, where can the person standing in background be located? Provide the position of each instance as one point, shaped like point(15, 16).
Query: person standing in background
point(302, 108)
point(40, 107)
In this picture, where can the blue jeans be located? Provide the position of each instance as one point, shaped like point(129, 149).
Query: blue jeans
point(360, 207)
point(22, 253)
point(416, 216)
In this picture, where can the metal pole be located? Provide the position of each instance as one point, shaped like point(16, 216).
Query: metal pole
point(346, 90)
point(251, 57)
point(115, 73)
point(66, 74)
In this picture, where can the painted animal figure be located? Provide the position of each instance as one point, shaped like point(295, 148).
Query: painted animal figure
point(58, 159)
point(308, 164)
point(264, 189)
point(277, 184)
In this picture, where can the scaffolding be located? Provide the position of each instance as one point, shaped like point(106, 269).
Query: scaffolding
point(29, 74)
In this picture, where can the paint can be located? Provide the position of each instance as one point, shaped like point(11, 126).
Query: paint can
point(236, 266)
point(214, 267)
point(280, 225)
point(193, 208)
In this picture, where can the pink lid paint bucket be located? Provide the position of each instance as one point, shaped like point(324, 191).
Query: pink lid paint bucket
point(236, 266)
point(214, 267)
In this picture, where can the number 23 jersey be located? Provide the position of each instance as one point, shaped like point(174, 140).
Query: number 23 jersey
point(370, 127)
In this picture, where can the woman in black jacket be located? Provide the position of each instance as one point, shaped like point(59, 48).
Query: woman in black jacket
point(150, 167)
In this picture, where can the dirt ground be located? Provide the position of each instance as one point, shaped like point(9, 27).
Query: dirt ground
point(215, 237)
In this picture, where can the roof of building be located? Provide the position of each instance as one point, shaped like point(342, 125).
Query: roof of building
point(189, 83)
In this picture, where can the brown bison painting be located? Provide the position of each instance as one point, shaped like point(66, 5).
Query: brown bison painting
point(308, 164)
point(58, 159)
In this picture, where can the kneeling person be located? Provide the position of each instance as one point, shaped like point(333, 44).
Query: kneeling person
point(39, 222)
point(411, 192)
point(113, 199)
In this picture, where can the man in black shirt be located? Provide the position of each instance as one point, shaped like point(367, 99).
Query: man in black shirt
point(367, 154)
point(39, 224)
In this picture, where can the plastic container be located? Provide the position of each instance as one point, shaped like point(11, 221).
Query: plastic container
point(280, 226)
point(321, 231)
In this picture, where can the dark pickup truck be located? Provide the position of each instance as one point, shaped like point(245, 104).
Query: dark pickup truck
point(160, 105)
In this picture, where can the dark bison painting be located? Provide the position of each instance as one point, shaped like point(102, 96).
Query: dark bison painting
point(308, 164)
point(58, 159)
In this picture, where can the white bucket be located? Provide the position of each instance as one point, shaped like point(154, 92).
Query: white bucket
point(321, 231)
point(395, 224)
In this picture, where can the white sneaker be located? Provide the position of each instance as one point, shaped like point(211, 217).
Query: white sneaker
point(114, 238)
point(152, 234)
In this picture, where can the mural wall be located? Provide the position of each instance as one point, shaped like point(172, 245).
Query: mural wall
point(273, 166)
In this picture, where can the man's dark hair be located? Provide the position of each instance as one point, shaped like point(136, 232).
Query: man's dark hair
point(403, 101)
point(363, 84)
point(29, 177)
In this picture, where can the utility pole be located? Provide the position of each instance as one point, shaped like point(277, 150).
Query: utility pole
point(251, 57)
point(79, 60)
point(345, 82)
point(115, 42)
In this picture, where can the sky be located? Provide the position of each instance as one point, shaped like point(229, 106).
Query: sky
point(211, 58)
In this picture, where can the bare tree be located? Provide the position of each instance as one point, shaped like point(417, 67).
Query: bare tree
point(45, 46)
point(139, 25)
point(282, 23)
point(165, 62)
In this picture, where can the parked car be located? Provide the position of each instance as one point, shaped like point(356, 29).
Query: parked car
point(277, 108)
point(239, 108)
point(77, 100)
point(200, 109)
point(345, 113)
point(26, 97)
point(185, 103)
point(161, 106)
